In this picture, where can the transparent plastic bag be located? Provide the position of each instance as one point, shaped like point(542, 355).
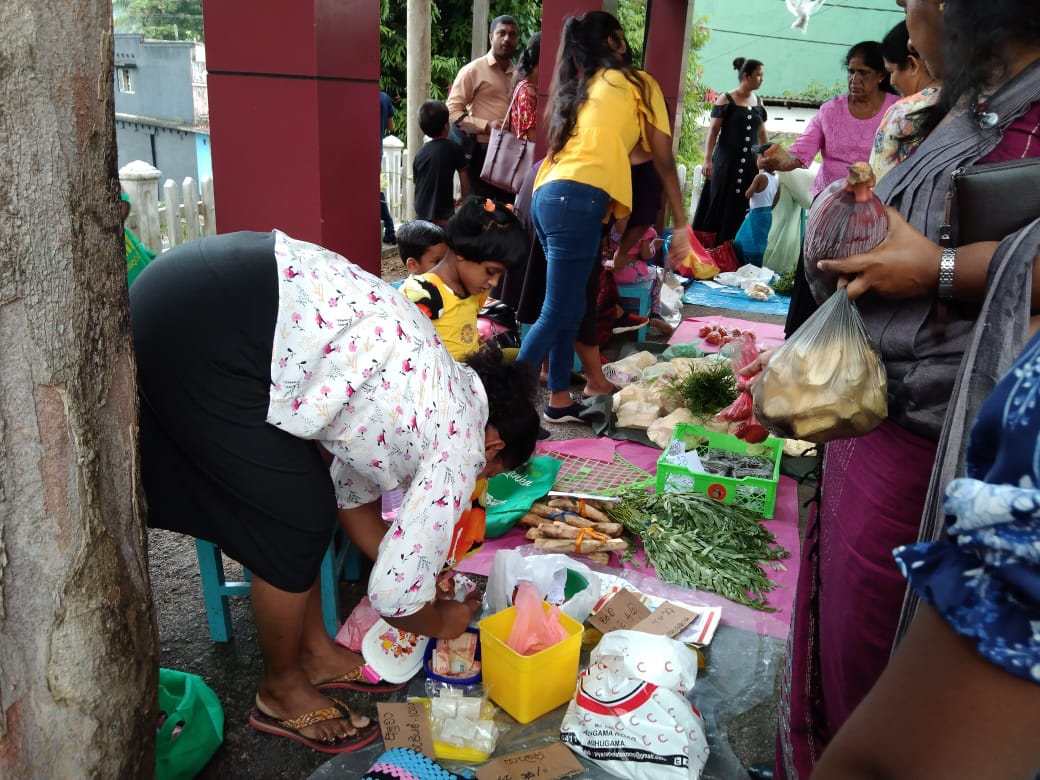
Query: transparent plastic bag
point(827, 381)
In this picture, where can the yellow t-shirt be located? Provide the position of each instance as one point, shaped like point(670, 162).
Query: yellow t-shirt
point(454, 318)
point(609, 125)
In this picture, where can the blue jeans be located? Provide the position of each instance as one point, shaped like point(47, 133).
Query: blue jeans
point(568, 219)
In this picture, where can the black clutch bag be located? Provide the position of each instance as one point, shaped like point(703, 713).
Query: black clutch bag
point(993, 200)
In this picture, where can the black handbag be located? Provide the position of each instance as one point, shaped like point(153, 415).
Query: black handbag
point(991, 201)
point(509, 157)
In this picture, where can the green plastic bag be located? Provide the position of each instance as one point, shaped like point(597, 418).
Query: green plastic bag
point(510, 495)
point(193, 728)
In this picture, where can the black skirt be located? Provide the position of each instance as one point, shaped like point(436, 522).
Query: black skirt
point(203, 318)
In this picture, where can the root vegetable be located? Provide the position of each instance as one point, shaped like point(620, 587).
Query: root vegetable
point(583, 507)
point(845, 219)
point(531, 520)
point(585, 546)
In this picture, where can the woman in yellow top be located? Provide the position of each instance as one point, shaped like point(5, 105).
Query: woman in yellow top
point(600, 108)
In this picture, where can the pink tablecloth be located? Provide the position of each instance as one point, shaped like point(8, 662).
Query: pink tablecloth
point(784, 526)
point(766, 334)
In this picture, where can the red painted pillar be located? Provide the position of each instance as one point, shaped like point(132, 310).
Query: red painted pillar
point(294, 118)
point(554, 12)
point(665, 46)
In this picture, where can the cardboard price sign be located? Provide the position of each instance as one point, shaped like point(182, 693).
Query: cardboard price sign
point(623, 611)
point(626, 611)
point(406, 724)
point(668, 619)
point(549, 763)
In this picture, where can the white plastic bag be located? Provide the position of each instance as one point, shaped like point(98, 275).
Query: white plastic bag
point(670, 300)
point(548, 573)
point(803, 9)
point(630, 713)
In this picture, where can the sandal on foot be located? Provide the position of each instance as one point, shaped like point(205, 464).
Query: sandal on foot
point(291, 727)
point(355, 680)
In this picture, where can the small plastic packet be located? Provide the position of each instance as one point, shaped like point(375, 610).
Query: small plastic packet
point(463, 722)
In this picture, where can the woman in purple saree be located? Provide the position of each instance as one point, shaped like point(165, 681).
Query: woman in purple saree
point(921, 310)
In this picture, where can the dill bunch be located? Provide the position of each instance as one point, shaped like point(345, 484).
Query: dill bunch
point(706, 391)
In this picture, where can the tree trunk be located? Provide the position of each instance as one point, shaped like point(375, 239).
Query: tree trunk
point(78, 641)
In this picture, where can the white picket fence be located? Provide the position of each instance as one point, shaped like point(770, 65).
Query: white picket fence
point(395, 172)
point(180, 216)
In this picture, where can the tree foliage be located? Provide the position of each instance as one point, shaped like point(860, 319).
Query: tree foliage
point(164, 20)
point(450, 40)
point(815, 92)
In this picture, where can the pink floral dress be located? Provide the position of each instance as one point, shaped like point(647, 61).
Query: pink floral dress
point(357, 367)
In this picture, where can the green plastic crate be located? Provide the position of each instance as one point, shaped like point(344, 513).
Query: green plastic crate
point(754, 493)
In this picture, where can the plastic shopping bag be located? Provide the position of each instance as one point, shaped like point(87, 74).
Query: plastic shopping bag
point(511, 494)
point(191, 728)
point(699, 262)
point(352, 633)
point(560, 579)
point(827, 381)
point(535, 628)
point(741, 411)
point(630, 713)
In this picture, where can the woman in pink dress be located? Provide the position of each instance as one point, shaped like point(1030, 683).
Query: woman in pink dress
point(842, 133)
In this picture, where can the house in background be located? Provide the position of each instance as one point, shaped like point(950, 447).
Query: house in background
point(793, 61)
point(162, 111)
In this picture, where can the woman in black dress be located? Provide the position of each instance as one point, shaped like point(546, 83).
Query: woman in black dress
point(737, 123)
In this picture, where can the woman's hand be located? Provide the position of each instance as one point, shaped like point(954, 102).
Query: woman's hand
point(707, 169)
point(620, 261)
point(457, 615)
point(679, 246)
point(757, 364)
point(904, 265)
point(443, 618)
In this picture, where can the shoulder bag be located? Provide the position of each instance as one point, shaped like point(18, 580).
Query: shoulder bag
point(991, 201)
point(509, 157)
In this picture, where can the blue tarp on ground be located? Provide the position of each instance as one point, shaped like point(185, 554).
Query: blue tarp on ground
point(700, 294)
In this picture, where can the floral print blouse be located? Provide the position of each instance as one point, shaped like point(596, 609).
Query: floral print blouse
point(357, 367)
point(985, 579)
point(525, 109)
point(893, 144)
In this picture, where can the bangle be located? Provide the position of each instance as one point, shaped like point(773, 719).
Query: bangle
point(946, 263)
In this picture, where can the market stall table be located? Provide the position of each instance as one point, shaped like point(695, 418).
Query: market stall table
point(742, 659)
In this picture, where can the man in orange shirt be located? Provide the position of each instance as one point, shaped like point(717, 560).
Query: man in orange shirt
point(480, 95)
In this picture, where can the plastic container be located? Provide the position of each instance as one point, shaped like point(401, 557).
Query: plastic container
point(754, 493)
point(445, 752)
point(430, 674)
point(528, 686)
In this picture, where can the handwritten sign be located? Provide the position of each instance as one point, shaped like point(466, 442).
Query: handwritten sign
point(549, 763)
point(406, 724)
point(623, 611)
point(667, 620)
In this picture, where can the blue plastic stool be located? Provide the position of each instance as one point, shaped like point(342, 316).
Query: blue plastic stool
point(342, 558)
point(640, 293)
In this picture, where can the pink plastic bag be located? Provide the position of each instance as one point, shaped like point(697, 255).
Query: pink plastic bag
point(535, 628)
point(742, 410)
point(357, 625)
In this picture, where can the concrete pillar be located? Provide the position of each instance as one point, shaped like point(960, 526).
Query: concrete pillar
point(479, 46)
point(294, 117)
point(140, 181)
point(418, 87)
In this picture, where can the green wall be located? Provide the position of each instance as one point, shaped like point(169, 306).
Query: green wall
point(761, 29)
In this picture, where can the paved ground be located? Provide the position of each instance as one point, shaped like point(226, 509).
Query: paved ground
point(232, 669)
